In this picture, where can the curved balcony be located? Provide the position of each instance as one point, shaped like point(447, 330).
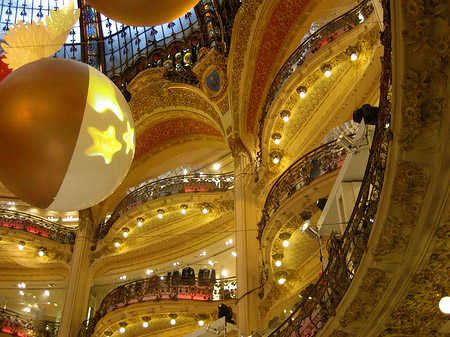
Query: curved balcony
point(164, 187)
point(313, 43)
point(156, 289)
point(345, 252)
point(16, 324)
point(322, 160)
point(36, 225)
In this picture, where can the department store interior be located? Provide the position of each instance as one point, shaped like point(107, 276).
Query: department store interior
point(287, 175)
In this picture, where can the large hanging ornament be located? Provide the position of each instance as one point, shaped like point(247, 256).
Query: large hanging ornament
point(66, 135)
point(143, 12)
point(4, 70)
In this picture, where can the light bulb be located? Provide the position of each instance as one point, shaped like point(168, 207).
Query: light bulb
point(302, 94)
point(160, 216)
point(278, 263)
point(285, 243)
point(145, 324)
point(125, 234)
point(173, 322)
point(116, 244)
point(285, 118)
point(234, 254)
point(139, 223)
point(41, 253)
point(328, 73)
point(444, 305)
point(354, 56)
point(276, 160)
point(225, 273)
point(216, 166)
point(281, 280)
point(20, 247)
point(122, 330)
point(205, 211)
point(201, 323)
point(47, 293)
point(148, 271)
point(277, 141)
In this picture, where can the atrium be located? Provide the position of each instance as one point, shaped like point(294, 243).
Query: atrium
point(289, 176)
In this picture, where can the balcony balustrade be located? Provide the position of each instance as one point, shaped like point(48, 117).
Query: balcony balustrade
point(16, 324)
point(36, 225)
point(156, 289)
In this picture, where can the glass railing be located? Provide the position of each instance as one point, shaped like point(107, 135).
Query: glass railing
point(156, 288)
point(36, 225)
point(346, 251)
point(324, 159)
point(164, 187)
point(313, 43)
point(16, 324)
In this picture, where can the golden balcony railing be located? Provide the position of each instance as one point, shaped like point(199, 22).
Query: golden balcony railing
point(156, 288)
point(319, 39)
point(321, 299)
point(16, 324)
point(180, 184)
point(36, 225)
point(319, 161)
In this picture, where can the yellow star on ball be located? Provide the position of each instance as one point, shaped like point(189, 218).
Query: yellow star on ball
point(105, 143)
point(128, 137)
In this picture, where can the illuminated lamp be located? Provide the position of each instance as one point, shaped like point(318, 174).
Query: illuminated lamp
point(125, 231)
point(67, 135)
point(285, 236)
point(140, 221)
point(444, 305)
point(326, 68)
point(184, 208)
point(146, 319)
point(301, 90)
point(143, 12)
point(122, 325)
point(173, 318)
point(276, 157)
point(21, 245)
point(285, 114)
point(276, 137)
point(160, 213)
point(205, 208)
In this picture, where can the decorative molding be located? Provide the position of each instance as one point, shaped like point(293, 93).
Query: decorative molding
point(370, 292)
point(426, 38)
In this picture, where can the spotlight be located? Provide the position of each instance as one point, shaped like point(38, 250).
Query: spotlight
point(305, 226)
point(301, 90)
point(276, 157)
point(347, 144)
point(285, 114)
point(21, 245)
point(140, 221)
point(205, 208)
point(444, 305)
point(184, 208)
point(326, 68)
point(276, 138)
point(368, 113)
point(160, 213)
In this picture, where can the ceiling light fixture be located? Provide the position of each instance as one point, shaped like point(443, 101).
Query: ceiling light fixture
point(216, 166)
point(184, 208)
point(301, 90)
point(140, 221)
point(160, 213)
point(444, 305)
point(276, 137)
point(125, 231)
point(116, 244)
point(326, 68)
point(205, 208)
point(278, 263)
point(21, 245)
point(285, 114)
point(173, 318)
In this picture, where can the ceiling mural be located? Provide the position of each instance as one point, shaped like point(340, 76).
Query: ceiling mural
point(283, 18)
point(171, 130)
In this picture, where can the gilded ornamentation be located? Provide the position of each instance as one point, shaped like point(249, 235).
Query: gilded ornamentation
point(242, 28)
point(419, 314)
point(216, 62)
point(426, 37)
point(372, 288)
point(157, 97)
